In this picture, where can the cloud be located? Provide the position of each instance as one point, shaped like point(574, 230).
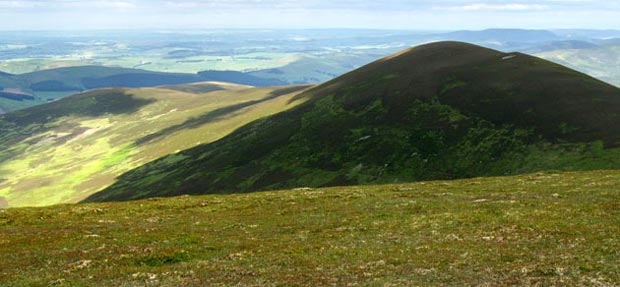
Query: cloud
point(115, 4)
point(398, 14)
point(17, 4)
point(65, 4)
point(177, 4)
point(495, 7)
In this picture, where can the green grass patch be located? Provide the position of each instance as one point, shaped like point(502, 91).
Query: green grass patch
point(542, 229)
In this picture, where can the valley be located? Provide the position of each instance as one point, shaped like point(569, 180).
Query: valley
point(444, 164)
point(451, 143)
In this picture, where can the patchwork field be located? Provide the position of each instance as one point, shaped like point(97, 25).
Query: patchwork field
point(543, 229)
point(601, 62)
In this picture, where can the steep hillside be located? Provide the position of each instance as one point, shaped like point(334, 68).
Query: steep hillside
point(66, 150)
point(438, 111)
point(543, 229)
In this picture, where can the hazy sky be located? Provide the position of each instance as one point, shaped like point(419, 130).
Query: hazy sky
point(400, 14)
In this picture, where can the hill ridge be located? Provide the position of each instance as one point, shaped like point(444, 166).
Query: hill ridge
point(438, 111)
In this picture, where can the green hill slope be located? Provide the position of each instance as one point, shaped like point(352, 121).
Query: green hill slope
point(439, 111)
point(66, 150)
point(544, 229)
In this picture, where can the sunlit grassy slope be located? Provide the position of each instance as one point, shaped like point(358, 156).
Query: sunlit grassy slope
point(67, 150)
point(543, 229)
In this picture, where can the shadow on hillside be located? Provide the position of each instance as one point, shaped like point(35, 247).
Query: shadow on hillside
point(216, 115)
point(20, 125)
point(90, 104)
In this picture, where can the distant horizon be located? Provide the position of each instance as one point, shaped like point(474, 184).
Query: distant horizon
point(189, 30)
point(452, 15)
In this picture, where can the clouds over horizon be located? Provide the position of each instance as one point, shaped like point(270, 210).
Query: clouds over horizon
point(401, 14)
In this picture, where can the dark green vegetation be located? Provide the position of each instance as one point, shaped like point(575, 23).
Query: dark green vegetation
point(44, 86)
point(66, 150)
point(439, 111)
point(544, 229)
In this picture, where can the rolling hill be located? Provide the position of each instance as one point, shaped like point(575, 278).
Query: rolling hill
point(560, 45)
point(444, 110)
point(68, 149)
point(49, 85)
point(27, 90)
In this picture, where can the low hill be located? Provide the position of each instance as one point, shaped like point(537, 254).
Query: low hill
point(439, 111)
point(54, 84)
point(543, 229)
point(68, 149)
point(602, 61)
point(561, 45)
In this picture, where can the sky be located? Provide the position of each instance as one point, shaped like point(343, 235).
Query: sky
point(286, 14)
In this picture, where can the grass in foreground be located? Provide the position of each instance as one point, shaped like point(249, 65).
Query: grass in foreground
point(544, 229)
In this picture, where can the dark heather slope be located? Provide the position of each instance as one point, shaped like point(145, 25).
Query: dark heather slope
point(438, 111)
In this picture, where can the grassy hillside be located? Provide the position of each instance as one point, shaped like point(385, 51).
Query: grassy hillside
point(66, 150)
point(439, 111)
point(543, 229)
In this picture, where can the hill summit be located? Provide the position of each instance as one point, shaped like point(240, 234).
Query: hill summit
point(438, 111)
